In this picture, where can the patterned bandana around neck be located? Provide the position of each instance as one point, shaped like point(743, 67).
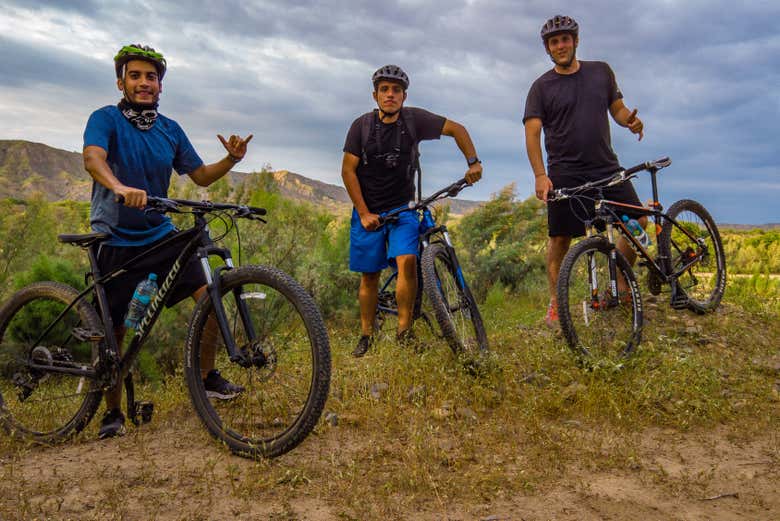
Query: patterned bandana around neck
point(142, 116)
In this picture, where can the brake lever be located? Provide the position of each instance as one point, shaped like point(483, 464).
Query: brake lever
point(456, 188)
point(557, 195)
point(162, 208)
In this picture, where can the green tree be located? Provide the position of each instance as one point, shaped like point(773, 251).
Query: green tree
point(502, 241)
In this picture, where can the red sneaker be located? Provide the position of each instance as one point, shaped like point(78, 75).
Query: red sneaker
point(551, 318)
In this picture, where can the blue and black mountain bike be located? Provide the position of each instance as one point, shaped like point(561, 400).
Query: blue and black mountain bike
point(449, 298)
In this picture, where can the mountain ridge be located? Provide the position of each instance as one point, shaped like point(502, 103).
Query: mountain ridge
point(29, 169)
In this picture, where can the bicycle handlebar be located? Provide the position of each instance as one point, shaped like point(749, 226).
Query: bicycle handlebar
point(620, 177)
point(450, 191)
point(163, 205)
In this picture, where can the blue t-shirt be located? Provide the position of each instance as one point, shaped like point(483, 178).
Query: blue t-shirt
point(141, 159)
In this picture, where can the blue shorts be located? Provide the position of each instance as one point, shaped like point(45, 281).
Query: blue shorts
point(370, 252)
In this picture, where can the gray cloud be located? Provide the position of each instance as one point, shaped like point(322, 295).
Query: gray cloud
point(703, 75)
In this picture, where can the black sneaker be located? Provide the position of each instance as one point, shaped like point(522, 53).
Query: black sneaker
point(406, 338)
point(362, 346)
point(113, 424)
point(217, 387)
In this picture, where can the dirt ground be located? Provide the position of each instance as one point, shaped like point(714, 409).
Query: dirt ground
point(173, 471)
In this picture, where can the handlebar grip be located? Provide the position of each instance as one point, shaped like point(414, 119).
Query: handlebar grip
point(635, 169)
point(120, 199)
point(663, 162)
point(554, 195)
point(257, 211)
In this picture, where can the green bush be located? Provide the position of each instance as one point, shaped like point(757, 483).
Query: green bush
point(46, 267)
point(503, 242)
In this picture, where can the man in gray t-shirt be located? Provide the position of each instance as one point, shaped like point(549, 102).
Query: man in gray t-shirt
point(570, 102)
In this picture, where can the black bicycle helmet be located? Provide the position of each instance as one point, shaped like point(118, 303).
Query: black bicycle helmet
point(391, 73)
point(559, 24)
point(137, 51)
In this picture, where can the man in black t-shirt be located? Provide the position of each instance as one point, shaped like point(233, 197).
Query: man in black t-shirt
point(380, 161)
point(570, 102)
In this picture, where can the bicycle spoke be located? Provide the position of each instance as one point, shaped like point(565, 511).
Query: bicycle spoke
point(42, 405)
point(597, 323)
point(265, 415)
point(695, 252)
point(453, 305)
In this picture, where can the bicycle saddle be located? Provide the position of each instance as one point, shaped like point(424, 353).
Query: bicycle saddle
point(85, 239)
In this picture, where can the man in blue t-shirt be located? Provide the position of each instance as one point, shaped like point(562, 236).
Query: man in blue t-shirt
point(378, 171)
point(130, 150)
point(570, 102)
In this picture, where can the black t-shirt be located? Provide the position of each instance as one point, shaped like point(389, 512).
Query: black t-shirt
point(573, 109)
point(385, 187)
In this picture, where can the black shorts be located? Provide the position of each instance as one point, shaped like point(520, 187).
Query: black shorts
point(565, 218)
point(119, 291)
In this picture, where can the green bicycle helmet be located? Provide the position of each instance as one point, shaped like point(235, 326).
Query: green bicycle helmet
point(137, 51)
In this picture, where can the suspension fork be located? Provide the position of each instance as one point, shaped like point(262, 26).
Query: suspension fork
point(452, 256)
point(613, 252)
point(593, 280)
point(214, 289)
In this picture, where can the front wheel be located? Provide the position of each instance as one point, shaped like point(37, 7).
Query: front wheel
point(595, 324)
point(695, 249)
point(453, 304)
point(276, 401)
point(36, 404)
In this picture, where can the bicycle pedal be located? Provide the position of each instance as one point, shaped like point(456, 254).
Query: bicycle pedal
point(679, 302)
point(86, 335)
point(143, 412)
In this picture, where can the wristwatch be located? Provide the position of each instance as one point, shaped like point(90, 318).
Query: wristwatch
point(473, 160)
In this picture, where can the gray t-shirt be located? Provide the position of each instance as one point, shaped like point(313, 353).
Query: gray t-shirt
point(573, 109)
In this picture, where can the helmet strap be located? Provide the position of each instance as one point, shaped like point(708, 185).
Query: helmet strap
point(566, 65)
point(383, 114)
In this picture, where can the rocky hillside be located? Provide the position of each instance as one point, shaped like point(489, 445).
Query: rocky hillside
point(28, 169)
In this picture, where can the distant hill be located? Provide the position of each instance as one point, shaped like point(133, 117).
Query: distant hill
point(747, 227)
point(28, 169)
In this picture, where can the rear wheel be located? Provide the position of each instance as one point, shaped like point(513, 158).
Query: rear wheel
point(698, 253)
point(286, 384)
point(387, 306)
point(453, 304)
point(36, 404)
point(595, 323)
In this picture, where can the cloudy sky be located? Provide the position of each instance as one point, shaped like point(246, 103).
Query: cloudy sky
point(704, 75)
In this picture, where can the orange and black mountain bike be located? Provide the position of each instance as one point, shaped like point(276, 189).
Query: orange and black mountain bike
point(599, 303)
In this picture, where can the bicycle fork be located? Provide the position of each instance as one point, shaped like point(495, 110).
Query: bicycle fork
point(240, 356)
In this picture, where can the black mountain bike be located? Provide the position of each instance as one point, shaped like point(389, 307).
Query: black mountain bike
point(58, 353)
point(599, 302)
point(451, 301)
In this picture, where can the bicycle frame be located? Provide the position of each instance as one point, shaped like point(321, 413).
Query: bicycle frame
point(112, 368)
point(607, 213)
point(606, 210)
point(428, 224)
point(428, 229)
